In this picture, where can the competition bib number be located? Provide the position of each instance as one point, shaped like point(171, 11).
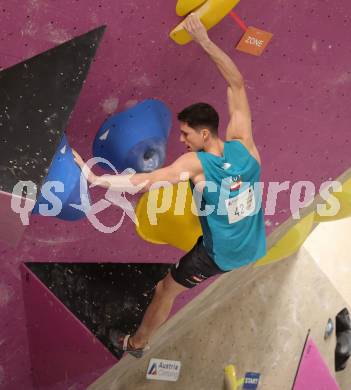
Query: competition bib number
point(241, 206)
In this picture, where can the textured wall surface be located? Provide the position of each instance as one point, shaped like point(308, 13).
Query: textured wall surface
point(265, 333)
point(299, 93)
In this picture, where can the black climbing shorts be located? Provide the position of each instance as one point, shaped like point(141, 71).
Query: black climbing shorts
point(195, 267)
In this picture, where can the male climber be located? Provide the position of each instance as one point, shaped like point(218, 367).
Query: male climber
point(225, 173)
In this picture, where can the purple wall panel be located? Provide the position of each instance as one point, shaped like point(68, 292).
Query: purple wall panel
point(62, 349)
point(299, 92)
point(14, 354)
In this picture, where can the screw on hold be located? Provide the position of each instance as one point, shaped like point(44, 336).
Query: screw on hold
point(329, 329)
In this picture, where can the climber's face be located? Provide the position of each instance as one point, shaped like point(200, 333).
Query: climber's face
point(194, 140)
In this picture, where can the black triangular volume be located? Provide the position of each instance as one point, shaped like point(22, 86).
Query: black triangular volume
point(103, 296)
point(37, 97)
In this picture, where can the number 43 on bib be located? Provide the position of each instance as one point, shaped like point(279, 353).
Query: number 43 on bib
point(241, 206)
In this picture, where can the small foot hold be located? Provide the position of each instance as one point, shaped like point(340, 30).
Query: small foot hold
point(121, 343)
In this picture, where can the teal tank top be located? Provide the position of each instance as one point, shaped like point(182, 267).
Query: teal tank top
point(232, 221)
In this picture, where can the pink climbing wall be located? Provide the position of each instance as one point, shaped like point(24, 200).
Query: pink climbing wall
point(299, 92)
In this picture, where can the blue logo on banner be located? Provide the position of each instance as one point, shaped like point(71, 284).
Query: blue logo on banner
point(251, 380)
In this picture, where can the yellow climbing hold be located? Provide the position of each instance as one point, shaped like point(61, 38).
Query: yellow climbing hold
point(232, 383)
point(210, 13)
point(183, 7)
point(290, 242)
point(165, 217)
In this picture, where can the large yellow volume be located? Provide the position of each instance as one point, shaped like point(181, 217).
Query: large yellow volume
point(210, 13)
point(183, 7)
point(165, 217)
point(290, 242)
point(347, 186)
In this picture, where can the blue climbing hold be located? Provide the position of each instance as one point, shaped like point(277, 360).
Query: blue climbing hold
point(67, 176)
point(135, 138)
